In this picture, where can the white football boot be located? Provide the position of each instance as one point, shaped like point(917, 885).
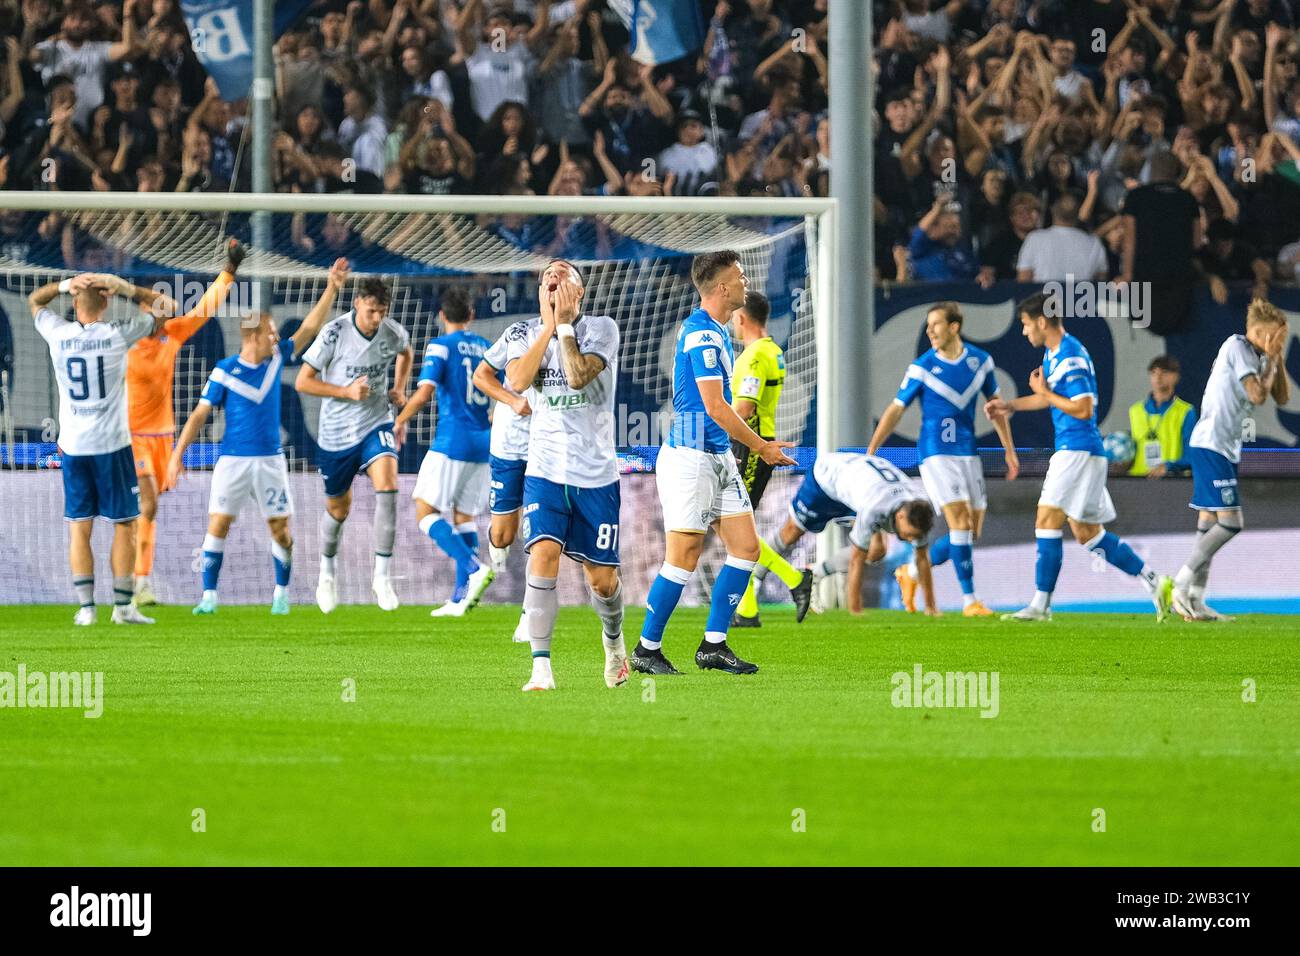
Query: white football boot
point(129, 614)
point(616, 666)
point(521, 635)
point(1030, 613)
point(385, 596)
point(327, 595)
point(86, 616)
point(478, 583)
point(450, 609)
point(542, 678)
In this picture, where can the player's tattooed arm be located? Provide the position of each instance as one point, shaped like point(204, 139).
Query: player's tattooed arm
point(580, 369)
point(189, 435)
point(522, 371)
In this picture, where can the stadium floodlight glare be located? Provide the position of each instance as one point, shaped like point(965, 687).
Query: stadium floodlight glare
point(633, 252)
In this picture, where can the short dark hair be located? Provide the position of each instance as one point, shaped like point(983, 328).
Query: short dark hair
point(456, 306)
point(705, 268)
point(373, 288)
point(1035, 307)
point(951, 311)
point(757, 308)
point(1165, 167)
point(920, 515)
point(1166, 363)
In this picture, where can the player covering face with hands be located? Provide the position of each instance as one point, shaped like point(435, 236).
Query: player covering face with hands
point(566, 361)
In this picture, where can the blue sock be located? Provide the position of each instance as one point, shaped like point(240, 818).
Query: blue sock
point(1050, 553)
point(283, 560)
point(963, 561)
point(469, 535)
point(214, 550)
point(1117, 552)
point(939, 551)
point(660, 603)
point(445, 537)
point(727, 592)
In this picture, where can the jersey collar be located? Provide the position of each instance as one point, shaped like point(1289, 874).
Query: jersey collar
point(368, 338)
point(947, 361)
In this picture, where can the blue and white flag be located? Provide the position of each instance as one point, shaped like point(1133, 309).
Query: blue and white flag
point(221, 33)
point(662, 30)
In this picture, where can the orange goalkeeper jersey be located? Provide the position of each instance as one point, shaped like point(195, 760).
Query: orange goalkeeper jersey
point(151, 364)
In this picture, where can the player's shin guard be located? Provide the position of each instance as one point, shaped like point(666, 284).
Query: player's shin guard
point(467, 531)
point(214, 551)
point(330, 533)
point(145, 533)
point(665, 592)
point(1117, 552)
point(727, 589)
point(385, 530)
point(963, 561)
point(85, 588)
point(282, 558)
point(541, 605)
point(1051, 552)
point(446, 538)
point(610, 610)
point(123, 590)
point(1226, 527)
point(779, 551)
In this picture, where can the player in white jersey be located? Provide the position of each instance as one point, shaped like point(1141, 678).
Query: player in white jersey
point(507, 454)
point(1248, 370)
point(89, 357)
point(568, 363)
point(251, 468)
point(875, 499)
point(348, 367)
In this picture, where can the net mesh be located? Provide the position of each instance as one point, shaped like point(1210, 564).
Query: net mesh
point(637, 270)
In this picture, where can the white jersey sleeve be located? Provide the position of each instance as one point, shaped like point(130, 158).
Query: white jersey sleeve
point(1225, 405)
point(509, 431)
point(136, 327)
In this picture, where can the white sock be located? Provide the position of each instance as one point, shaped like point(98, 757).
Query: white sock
point(1149, 579)
point(281, 591)
point(327, 565)
point(1042, 600)
point(381, 565)
point(968, 599)
point(210, 596)
point(1183, 579)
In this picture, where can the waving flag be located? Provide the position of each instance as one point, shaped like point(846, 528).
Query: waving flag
point(221, 33)
point(662, 30)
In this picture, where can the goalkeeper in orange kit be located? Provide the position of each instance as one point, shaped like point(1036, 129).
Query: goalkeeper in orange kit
point(150, 372)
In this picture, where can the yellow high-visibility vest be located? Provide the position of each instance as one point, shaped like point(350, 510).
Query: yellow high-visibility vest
point(1162, 431)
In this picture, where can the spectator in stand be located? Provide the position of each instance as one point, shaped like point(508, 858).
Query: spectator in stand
point(1162, 230)
point(1226, 258)
point(1062, 250)
point(362, 134)
point(692, 160)
point(937, 251)
point(500, 67)
point(436, 160)
point(634, 118)
point(563, 82)
point(73, 53)
point(1000, 256)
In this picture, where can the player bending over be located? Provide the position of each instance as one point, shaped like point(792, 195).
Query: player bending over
point(759, 377)
point(879, 499)
point(1075, 486)
point(89, 355)
point(1247, 371)
point(348, 366)
point(508, 454)
point(699, 484)
point(571, 494)
point(949, 379)
point(150, 372)
point(251, 467)
point(453, 479)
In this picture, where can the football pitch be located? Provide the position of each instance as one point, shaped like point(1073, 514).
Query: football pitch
point(229, 741)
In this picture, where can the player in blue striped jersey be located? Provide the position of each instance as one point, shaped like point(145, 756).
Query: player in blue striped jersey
point(949, 380)
point(699, 483)
point(452, 487)
point(252, 465)
point(1075, 486)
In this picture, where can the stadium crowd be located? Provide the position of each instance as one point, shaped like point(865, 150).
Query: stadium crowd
point(1152, 140)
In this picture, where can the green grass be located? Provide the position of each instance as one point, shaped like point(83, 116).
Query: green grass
point(241, 715)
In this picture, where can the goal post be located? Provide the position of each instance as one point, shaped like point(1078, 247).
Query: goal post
point(635, 253)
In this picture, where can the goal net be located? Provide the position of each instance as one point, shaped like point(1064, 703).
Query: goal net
point(636, 257)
